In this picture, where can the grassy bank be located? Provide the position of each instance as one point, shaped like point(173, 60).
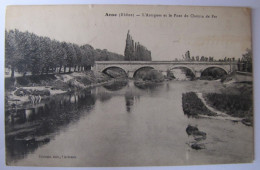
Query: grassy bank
point(233, 105)
point(193, 106)
point(19, 90)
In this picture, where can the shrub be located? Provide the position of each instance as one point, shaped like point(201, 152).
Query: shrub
point(153, 75)
point(193, 106)
point(41, 92)
point(25, 92)
point(22, 92)
point(234, 105)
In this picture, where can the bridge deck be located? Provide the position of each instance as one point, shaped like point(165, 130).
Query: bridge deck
point(197, 67)
point(166, 62)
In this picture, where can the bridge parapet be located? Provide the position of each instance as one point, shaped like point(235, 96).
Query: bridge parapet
point(130, 67)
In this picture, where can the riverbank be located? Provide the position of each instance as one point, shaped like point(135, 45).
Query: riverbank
point(133, 121)
point(19, 92)
point(231, 100)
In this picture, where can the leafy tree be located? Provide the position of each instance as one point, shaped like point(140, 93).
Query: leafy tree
point(27, 52)
point(58, 54)
point(187, 56)
point(247, 60)
point(11, 53)
point(88, 54)
point(78, 54)
point(136, 51)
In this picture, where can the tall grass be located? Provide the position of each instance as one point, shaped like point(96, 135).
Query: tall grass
point(234, 105)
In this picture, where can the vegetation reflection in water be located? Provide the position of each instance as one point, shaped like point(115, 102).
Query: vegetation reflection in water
point(29, 128)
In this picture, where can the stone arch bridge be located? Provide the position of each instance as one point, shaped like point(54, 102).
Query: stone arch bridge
point(131, 67)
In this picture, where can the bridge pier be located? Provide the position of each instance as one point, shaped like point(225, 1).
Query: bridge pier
point(197, 74)
point(196, 67)
point(130, 74)
point(164, 73)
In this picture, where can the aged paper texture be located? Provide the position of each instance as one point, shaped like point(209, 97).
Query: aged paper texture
point(128, 85)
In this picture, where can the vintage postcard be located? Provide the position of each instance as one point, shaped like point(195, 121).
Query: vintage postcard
point(128, 85)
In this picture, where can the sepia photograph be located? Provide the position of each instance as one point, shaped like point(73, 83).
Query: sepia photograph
point(128, 85)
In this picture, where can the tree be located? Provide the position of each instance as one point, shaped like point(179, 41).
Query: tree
point(58, 54)
point(136, 51)
point(46, 54)
point(129, 48)
point(69, 55)
point(36, 57)
point(22, 40)
point(247, 56)
point(11, 54)
point(247, 60)
point(88, 56)
point(187, 56)
point(78, 54)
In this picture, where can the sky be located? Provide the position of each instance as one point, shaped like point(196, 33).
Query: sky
point(225, 33)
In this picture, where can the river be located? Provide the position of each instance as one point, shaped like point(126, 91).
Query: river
point(124, 126)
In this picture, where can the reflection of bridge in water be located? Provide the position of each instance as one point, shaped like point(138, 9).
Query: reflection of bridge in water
point(131, 67)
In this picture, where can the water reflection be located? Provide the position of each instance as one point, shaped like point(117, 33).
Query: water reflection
point(116, 85)
point(35, 125)
point(27, 129)
point(129, 127)
point(104, 96)
point(130, 99)
point(146, 85)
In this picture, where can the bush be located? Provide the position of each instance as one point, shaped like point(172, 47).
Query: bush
point(25, 92)
point(22, 92)
point(193, 106)
point(212, 74)
point(234, 105)
point(9, 82)
point(153, 75)
point(41, 92)
point(170, 75)
point(29, 80)
point(115, 73)
point(83, 80)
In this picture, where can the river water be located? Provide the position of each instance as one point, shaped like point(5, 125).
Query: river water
point(124, 126)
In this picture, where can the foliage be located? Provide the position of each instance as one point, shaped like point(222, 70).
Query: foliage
point(115, 72)
point(170, 75)
point(135, 51)
point(28, 52)
point(245, 64)
point(105, 55)
point(25, 92)
point(153, 75)
point(213, 73)
point(149, 74)
point(193, 106)
point(247, 56)
point(232, 104)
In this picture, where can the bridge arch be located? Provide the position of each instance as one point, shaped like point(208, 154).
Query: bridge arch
point(225, 71)
point(140, 68)
point(114, 67)
point(183, 66)
point(217, 66)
